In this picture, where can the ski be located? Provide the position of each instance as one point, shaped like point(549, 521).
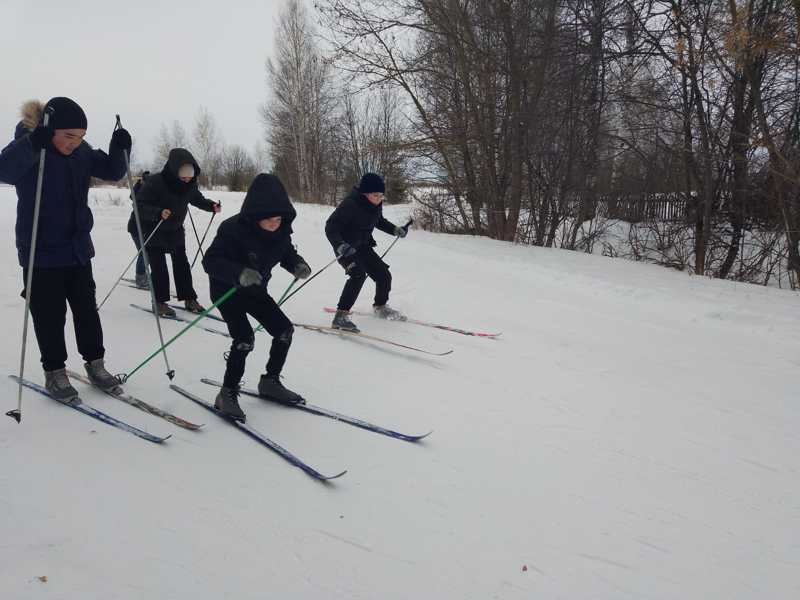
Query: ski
point(184, 309)
point(120, 394)
point(365, 336)
point(131, 283)
point(260, 438)
point(93, 412)
point(316, 410)
point(364, 313)
point(185, 320)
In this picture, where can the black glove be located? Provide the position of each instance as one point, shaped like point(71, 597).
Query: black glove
point(344, 250)
point(249, 277)
point(400, 232)
point(121, 139)
point(302, 270)
point(41, 136)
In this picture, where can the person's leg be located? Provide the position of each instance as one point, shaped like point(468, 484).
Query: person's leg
point(48, 306)
point(356, 276)
point(81, 295)
point(140, 270)
point(183, 274)
point(159, 273)
point(378, 271)
point(233, 311)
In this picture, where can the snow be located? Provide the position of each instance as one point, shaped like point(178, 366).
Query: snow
point(632, 434)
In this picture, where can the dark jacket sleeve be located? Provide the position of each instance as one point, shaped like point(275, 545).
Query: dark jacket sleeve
point(385, 226)
point(111, 166)
point(219, 261)
point(338, 220)
point(17, 159)
point(291, 258)
point(147, 200)
point(197, 199)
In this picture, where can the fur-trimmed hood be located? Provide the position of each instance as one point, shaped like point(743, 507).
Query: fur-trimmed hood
point(31, 114)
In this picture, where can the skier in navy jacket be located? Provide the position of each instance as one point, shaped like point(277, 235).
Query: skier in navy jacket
point(62, 269)
point(245, 250)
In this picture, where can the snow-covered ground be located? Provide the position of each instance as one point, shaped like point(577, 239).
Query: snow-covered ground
point(634, 433)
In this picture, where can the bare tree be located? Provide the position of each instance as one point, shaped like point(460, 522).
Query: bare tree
point(208, 146)
point(168, 138)
point(239, 168)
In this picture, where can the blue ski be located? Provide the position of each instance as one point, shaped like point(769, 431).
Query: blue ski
point(185, 320)
point(93, 412)
point(323, 412)
point(259, 437)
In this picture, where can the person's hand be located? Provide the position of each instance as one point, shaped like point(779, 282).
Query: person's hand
point(344, 250)
point(165, 214)
point(302, 270)
point(41, 136)
point(249, 277)
point(122, 139)
point(400, 232)
point(217, 207)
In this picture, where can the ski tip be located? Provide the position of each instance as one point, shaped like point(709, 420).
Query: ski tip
point(15, 414)
point(330, 477)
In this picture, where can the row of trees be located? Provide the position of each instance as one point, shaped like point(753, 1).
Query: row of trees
point(221, 164)
point(531, 114)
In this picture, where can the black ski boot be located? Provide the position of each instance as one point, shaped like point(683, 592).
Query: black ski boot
point(57, 384)
point(96, 370)
point(341, 320)
point(227, 402)
point(165, 311)
point(270, 386)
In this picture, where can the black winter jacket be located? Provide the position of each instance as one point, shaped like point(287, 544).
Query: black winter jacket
point(165, 190)
point(353, 222)
point(241, 243)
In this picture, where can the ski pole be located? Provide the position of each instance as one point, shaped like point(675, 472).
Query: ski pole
point(284, 297)
point(135, 256)
point(170, 372)
point(196, 237)
point(125, 376)
point(16, 414)
point(203, 239)
point(397, 237)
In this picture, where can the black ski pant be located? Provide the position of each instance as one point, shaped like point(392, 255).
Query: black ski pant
point(52, 289)
point(180, 270)
point(140, 270)
point(260, 305)
point(363, 263)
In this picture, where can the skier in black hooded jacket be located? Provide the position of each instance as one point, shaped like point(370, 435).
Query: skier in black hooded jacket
point(243, 253)
point(166, 196)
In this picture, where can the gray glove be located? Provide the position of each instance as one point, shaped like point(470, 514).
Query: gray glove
point(344, 249)
point(302, 270)
point(400, 232)
point(249, 277)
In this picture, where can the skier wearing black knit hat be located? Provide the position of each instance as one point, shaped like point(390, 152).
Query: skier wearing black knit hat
point(62, 269)
point(243, 254)
point(349, 230)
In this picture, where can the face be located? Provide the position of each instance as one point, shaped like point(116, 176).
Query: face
point(186, 179)
point(375, 197)
point(67, 140)
point(271, 224)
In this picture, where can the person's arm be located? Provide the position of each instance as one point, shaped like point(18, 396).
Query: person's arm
point(197, 199)
point(17, 159)
point(112, 166)
point(219, 261)
point(148, 203)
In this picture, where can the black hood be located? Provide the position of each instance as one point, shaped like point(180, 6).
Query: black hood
point(176, 159)
point(267, 198)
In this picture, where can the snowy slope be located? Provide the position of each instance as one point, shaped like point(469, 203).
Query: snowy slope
point(632, 434)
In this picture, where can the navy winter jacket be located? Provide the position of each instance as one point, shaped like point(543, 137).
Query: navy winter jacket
point(354, 220)
point(241, 243)
point(65, 220)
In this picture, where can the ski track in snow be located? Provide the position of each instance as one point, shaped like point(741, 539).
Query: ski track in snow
point(634, 433)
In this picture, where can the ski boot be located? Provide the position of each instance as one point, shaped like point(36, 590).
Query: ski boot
point(96, 370)
point(341, 320)
point(270, 386)
point(193, 306)
point(141, 281)
point(227, 402)
point(390, 314)
point(58, 386)
point(165, 310)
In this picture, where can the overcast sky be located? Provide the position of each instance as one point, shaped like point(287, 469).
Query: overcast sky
point(150, 61)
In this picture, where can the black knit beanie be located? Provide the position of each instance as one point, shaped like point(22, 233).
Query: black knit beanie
point(371, 182)
point(66, 114)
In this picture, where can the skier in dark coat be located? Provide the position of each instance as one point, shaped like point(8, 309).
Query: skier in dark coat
point(243, 253)
point(62, 269)
point(349, 230)
point(166, 196)
point(141, 273)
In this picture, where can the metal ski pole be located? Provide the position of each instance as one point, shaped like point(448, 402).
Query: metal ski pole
point(170, 373)
point(17, 413)
point(202, 239)
point(222, 299)
point(397, 237)
point(135, 256)
point(196, 237)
